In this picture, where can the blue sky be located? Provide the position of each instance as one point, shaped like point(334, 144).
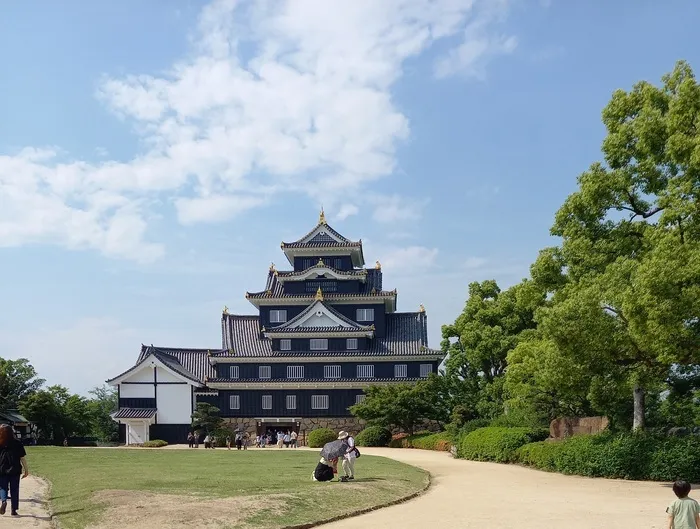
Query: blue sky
point(153, 155)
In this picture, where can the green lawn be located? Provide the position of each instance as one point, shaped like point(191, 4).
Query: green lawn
point(216, 488)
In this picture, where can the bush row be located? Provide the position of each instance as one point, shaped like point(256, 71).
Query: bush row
point(626, 456)
point(497, 444)
point(155, 443)
point(441, 441)
point(321, 436)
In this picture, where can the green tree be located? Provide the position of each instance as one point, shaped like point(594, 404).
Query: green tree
point(624, 287)
point(18, 380)
point(102, 403)
point(492, 323)
point(206, 417)
point(397, 405)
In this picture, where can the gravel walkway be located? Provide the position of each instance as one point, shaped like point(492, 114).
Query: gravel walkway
point(466, 494)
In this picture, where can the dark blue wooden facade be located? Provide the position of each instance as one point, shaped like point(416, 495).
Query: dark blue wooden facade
point(137, 403)
point(250, 401)
point(315, 371)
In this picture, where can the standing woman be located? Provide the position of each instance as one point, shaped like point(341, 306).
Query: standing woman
point(13, 466)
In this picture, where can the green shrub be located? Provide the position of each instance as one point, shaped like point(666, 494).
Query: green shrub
point(155, 443)
point(625, 456)
point(540, 455)
point(441, 441)
point(497, 444)
point(320, 437)
point(373, 436)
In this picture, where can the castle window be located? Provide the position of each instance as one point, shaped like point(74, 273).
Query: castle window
point(233, 372)
point(400, 371)
point(264, 372)
point(285, 345)
point(360, 398)
point(365, 314)
point(351, 343)
point(278, 316)
point(365, 371)
point(319, 402)
point(425, 370)
point(291, 402)
point(306, 263)
point(325, 286)
point(295, 371)
point(267, 402)
point(318, 344)
point(338, 264)
point(234, 402)
point(331, 371)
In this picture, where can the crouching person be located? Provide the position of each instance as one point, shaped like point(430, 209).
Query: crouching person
point(325, 470)
point(13, 467)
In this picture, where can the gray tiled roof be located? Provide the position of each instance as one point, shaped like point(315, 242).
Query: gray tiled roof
point(371, 287)
point(359, 272)
point(134, 413)
point(190, 363)
point(319, 240)
point(406, 334)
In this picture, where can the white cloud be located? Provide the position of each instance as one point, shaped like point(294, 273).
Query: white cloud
point(395, 208)
point(480, 43)
point(347, 210)
point(409, 258)
point(214, 208)
point(308, 107)
point(473, 263)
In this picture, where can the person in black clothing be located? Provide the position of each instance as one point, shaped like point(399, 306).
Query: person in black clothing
point(13, 467)
point(325, 470)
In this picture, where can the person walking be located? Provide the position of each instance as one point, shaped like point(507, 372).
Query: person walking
point(293, 439)
point(280, 439)
point(239, 440)
point(190, 440)
point(246, 440)
point(349, 457)
point(13, 467)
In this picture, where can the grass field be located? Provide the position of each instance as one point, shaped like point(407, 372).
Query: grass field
point(118, 488)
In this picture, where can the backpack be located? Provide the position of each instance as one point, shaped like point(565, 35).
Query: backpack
point(9, 463)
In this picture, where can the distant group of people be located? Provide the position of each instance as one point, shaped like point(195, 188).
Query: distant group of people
point(343, 449)
point(282, 439)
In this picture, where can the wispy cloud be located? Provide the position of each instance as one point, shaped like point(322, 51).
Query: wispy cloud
point(309, 109)
point(410, 258)
point(346, 210)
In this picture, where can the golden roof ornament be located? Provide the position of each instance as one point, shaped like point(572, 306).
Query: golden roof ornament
point(378, 265)
point(272, 267)
point(262, 329)
point(322, 217)
point(421, 308)
point(268, 292)
point(319, 294)
point(225, 309)
point(320, 262)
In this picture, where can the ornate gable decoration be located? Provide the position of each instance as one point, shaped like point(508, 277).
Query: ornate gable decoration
point(319, 318)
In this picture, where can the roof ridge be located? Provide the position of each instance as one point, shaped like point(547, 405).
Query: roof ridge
point(327, 226)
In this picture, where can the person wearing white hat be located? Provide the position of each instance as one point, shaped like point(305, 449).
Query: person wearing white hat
point(349, 457)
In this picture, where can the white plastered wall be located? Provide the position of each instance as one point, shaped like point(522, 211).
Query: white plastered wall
point(136, 391)
point(174, 403)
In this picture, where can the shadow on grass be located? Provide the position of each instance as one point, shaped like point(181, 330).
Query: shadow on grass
point(367, 480)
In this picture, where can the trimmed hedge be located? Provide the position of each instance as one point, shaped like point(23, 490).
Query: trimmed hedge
point(497, 444)
point(626, 456)
point(321, 436)
point(155, 443)
point(373, 436)
point(441, 441)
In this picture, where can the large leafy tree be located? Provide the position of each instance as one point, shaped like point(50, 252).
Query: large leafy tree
point(492, 323)
point(18, 380)
point(403, 406)
point(102, 403)
point(626, 280)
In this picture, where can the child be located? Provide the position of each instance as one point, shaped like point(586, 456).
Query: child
point(683, 513)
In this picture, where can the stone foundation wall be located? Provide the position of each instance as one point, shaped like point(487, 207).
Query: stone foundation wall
point(349, 424)
point(570, 426)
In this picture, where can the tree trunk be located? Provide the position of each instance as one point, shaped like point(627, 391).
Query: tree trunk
point(638, 416)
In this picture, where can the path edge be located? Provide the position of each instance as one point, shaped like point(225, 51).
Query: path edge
point(360, 512)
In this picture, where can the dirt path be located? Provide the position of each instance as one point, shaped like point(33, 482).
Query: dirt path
point(467, 495)
point(33, 509)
